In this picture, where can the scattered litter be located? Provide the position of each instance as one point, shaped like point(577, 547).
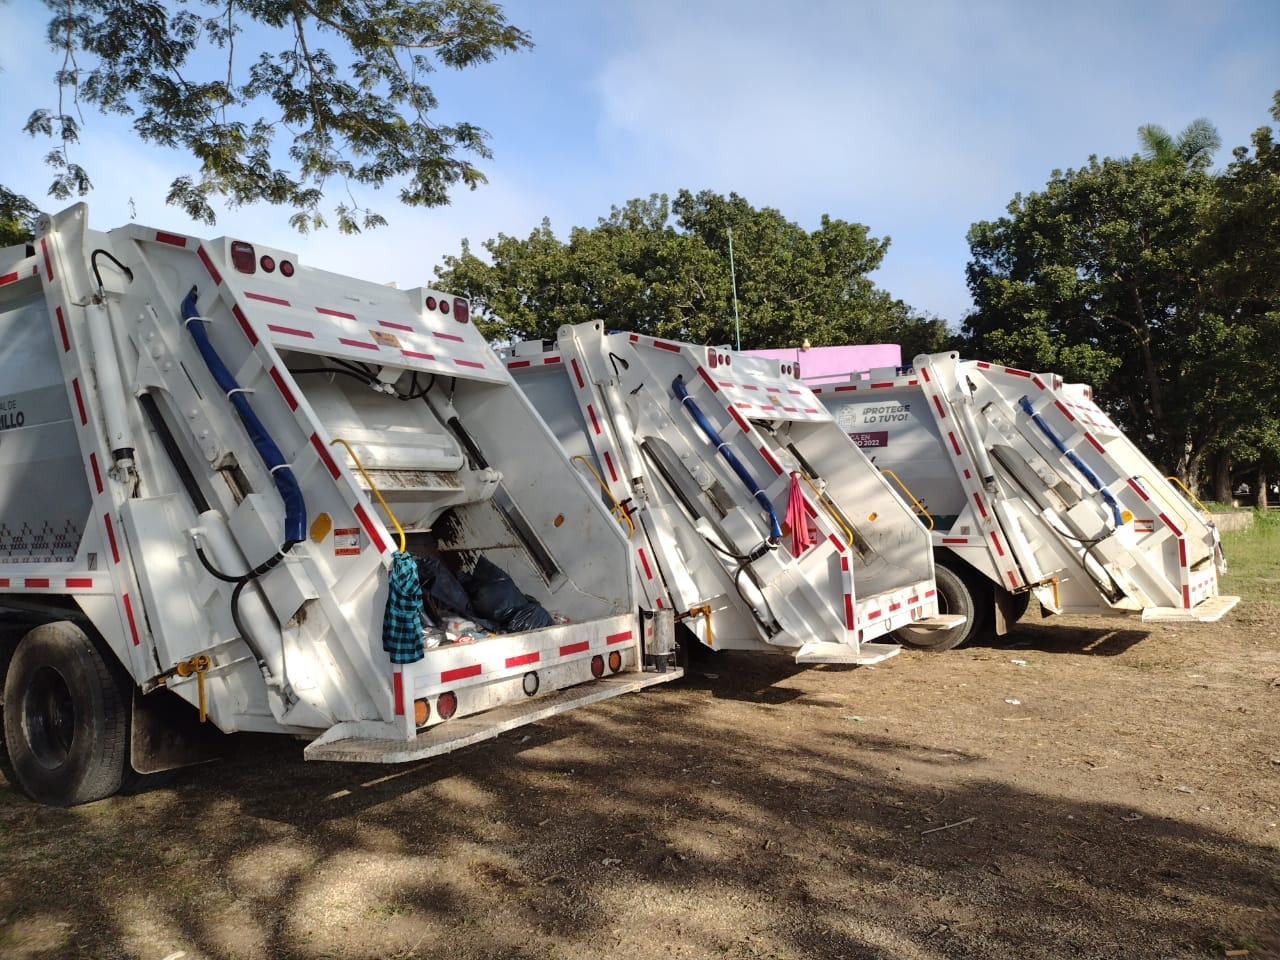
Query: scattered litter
point(1205, 809)
point(1012, 702)
point(611, 862)
point(543, 823)
point(857, 719)
point(1131, 817)
point(948, 826)
point(1018, 663)
point(1184, 789)
point(767, 845)
point(1235, 953)
point(717, 782)
point(176, 955)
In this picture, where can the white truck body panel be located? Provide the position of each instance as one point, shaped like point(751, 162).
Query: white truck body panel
point(700, 534)
point(120, 455)
point(1030, 483)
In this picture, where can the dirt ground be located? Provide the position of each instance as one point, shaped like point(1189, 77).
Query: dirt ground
point(1091, 788)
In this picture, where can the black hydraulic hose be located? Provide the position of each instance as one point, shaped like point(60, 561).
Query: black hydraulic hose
point(682, 393)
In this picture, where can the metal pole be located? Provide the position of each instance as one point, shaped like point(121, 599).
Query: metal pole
point(733, 279)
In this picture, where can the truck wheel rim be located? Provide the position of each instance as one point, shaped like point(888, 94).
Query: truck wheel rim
point(49, 718)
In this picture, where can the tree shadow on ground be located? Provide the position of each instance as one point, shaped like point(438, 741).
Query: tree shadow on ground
point(655, 824)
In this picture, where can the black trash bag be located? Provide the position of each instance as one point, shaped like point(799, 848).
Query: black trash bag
point(442, 594)
point(495, 596)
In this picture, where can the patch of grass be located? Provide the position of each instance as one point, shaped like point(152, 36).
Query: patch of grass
point(1253, 559)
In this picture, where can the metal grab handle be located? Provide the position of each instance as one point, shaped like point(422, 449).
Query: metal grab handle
point(619, 511)
point(372, 486)
point(823, 499)
point(919, 507)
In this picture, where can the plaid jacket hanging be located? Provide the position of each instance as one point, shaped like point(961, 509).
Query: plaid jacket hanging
point(402, 625)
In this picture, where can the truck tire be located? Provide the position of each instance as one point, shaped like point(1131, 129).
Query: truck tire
point(66, 718)
point(956, 594)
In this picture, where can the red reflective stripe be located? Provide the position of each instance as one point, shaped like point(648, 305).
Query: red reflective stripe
point(595, 424)
point(8, 278)
point(4, 581)
point(834, 542)
point(397, 688)
point(848, 611)
point(886, 383)
point(111, 539)
point(75, 386)
point(284, 389)
point(133, 626)
point(335, 313)
point(62, 328)
point(577, 374)
point(955, 444)
point(74, 583)
point(416, 355)
point(842, 389)
point(578, 647)
point(362, 344)
point(981, 508)
point(955, 539)
point(924, 372)
point(938, 403)
point(1013, 581)
point(1096, 445)
point(617, 638)
point(710, 382)
point(461, 673)
point(741, 420)
point(291, 330)
point(374, 536)
point(768, 458)
point(172, 239)
point(999, 547)
point(1169, 523)
point(325, 457)
point(266, 299)
point(244, 325)
point(661, 345)
point(644, 562)
point(1063, 407)
point(894, 607)
point(208, 265)
point(447, 336)
point(524, 659)
point(517, 364)
point(469, 363)
point(608, 462)
point(872, 614)
point(48, 263)
point(1014, 371)
point(396, 326)
point(35, 583)
point(550, 359)
point(1038, 382)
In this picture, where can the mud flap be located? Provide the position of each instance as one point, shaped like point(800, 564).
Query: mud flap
point(165, 733)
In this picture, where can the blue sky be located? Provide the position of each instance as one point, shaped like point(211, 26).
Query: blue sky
point(914, 117)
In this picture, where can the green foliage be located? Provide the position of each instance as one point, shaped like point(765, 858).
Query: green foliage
point(277, 126)
point(1157, 282)
point(638, 270)
point(17, 216)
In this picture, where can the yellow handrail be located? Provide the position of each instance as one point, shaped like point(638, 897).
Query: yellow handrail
point(1194, 499)
point(372, 486)
point(619, 512)
point(919, 507)
point(831, 507)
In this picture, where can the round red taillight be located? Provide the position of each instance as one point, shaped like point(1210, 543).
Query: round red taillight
point(444, 306)
point(597, 666)
point(431, 303)
point(286, 268)
point(447, 705)
point(615, 661)
point(267, 263)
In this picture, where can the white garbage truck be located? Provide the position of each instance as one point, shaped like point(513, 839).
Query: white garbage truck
point(750, 513)
point(240, 490)
point(1030, 489)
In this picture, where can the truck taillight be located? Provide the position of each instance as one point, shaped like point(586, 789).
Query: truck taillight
point(447, 705)
point(461, 310)
point(242, 256)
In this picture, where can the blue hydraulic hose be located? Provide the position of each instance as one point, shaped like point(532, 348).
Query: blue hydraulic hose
point(295, 507)
point(1075, 460)
point(678, 387)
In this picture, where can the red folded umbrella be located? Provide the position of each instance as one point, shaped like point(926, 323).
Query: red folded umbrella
point(797, 519)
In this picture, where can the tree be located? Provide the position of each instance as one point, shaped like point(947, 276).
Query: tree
point(637, 270)
point(17, 217)
point(1155, 281)
point(343, 100)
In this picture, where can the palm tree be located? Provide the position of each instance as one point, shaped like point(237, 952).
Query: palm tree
point(1193, 148)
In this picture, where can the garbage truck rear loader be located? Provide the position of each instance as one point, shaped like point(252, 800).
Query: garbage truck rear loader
point(230, 479)
point(750, 514)
point(1029, 489)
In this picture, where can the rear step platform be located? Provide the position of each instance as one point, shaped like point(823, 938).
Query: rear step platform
point(863, 654)
point(1209, 610)
point(461, 732)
